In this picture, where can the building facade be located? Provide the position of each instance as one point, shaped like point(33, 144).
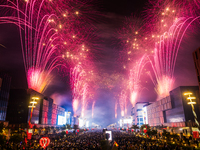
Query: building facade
point(5, 81)
point(173, 111)
point(44, 113)
point(196, 58)
point(138, 113)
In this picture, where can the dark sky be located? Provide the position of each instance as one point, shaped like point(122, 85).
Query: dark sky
point(113, 14)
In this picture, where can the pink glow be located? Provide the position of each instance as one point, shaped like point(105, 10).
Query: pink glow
point(165, 55)
point(116, 104)
point(123, 103)
point(134, 79)
point(84, 99)
point(93, 108)
point(76, 81)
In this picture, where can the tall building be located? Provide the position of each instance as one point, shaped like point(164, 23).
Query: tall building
point(196, 57)
point(173, 110)
point(138, 113)
point(44, 113)
point(5, 81)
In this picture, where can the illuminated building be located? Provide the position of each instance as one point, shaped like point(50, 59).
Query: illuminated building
point(5, 81)
point(139, 113)
point(125, 122)
point(173, 110)
point(63, 120)
point(83, 123)
point(44, 113)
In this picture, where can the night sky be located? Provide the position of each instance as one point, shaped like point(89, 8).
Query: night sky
point(113, 13)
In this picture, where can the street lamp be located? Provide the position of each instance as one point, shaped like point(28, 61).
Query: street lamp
point(32, 105)
point(190, 98)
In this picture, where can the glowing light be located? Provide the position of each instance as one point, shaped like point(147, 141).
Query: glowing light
point(134, 79)
point(123, 103)
point(93, 108)
point(77, 12)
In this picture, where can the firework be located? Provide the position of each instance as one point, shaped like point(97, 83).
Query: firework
point(48, 34)
point(165, 55)
point(134, 78)
point(93, 108)
point(84, 99)
point(123, 103)
point(160, 15)
point(116, 104)
point(76, 81)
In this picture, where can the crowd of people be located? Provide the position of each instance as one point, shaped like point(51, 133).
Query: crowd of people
point(130, 142)
point(96, 140)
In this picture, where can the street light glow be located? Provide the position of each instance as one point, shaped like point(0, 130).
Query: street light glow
point(190, 103)
point(190, 98)
point(35, 98)
point(188, 93)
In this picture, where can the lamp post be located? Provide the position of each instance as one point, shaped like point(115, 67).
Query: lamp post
point(32, 105)
point(190, 98)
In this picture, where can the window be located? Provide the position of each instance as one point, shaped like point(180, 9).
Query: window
point(139, 109)
point(141, 119)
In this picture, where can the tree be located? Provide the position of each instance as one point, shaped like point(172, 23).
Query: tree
point(145, 126)
point(1, 127)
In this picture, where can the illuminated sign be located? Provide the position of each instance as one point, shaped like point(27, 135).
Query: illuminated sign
point(83, 123)
point(178, 119)
point(44, 142)
point(125, 121)
point(63, 120)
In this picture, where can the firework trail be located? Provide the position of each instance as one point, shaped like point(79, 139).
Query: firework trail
point(160, 15)
point(123, 103)
point(84, 99)
point(116, 104)
point(76, 82)
point(93, 108)
point(165, 55)
point(48, 34)
point(39, 40)
point(134, 78)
